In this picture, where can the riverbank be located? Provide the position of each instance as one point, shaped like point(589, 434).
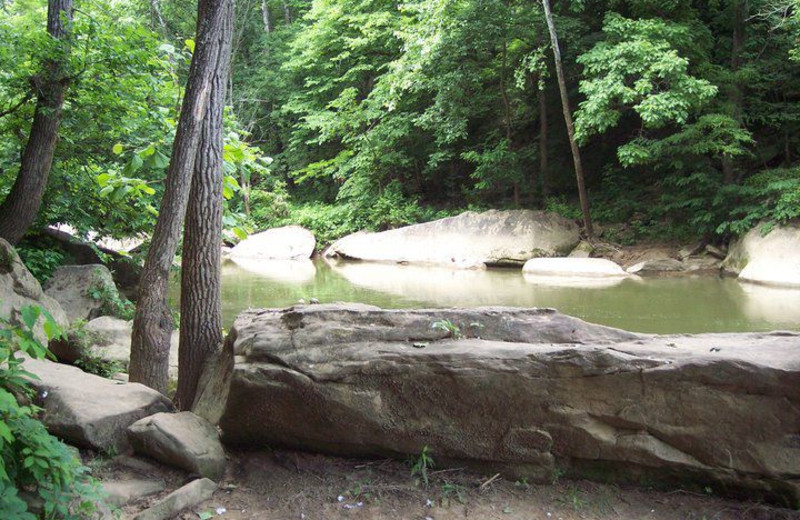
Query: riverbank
point(284, 485)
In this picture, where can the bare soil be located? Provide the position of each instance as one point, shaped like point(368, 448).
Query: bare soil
point(289, 485)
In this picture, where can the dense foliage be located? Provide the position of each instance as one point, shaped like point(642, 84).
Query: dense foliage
point(31, 460)
point(377, 114)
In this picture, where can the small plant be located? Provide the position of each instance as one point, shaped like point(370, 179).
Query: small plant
point(573, 497)
point(522, 483)
point(421, 465)
point(82, 340)
point(452, 330)
point(41, 262)
point(452, 491)
point(111, 302)
point(31, 458)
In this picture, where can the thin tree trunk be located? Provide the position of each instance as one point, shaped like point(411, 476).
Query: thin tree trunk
point(736, 97)
point(201, 298)
point(265, 16)
point(507, 116)
point(20, 207)
point(576, 154)
point(155, 5)
point(153, 324)
point(287, 14)
point(543, 173)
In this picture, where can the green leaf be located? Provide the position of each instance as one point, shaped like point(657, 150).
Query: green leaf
point(117, 149)
point(30, 314)
point(189, 45)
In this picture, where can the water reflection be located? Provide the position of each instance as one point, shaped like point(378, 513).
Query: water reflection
point(288, 271)
point(660, 305)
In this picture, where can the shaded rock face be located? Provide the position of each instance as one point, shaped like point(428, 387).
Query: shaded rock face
point(90, 411)
point(71, 286)
point(284, 243)
point(771, 259)
point(539, 393)
point(469, 240)
point(19, 288)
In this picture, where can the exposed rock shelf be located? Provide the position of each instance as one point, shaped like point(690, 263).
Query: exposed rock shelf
point(528, 391)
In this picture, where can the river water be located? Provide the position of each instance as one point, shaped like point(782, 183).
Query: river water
point(658, 305)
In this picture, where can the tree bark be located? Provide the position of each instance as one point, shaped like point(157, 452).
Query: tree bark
point(265, 16)
point(735, 95)
point(153, 324)
point(543, 173)
point(576, 154)
point(201, 298)
point(20, 207)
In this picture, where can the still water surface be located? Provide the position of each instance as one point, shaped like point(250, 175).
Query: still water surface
point(658, 305)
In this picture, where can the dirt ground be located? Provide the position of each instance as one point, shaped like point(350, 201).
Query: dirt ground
point(287, 485)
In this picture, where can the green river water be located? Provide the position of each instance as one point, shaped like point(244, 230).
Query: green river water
point(657, 305)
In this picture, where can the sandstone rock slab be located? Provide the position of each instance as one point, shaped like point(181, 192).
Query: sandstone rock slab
point(283, 243)
point(469, 240)
point(72, 285)
point(182, 498)
point(90, 411)
point(182, 439)
point(527, 392)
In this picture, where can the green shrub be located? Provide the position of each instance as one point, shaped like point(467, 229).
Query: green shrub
point(112, 303)
point(30, 458)
point(41, 262)
point(268, 207)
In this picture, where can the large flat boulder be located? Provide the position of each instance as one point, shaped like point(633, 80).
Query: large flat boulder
point(90, 411)
point(81, 289)
point(283, 243)
point(530, 392)
point(469, 240)
point(770, 259)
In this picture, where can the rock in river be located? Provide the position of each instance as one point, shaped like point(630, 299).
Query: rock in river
point(283, 243)
point(469, 240)
point(530, 392)
point(771, 259)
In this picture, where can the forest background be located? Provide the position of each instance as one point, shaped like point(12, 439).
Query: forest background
point(369, 114)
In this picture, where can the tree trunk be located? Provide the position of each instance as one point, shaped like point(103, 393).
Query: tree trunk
point(576, 154)
point(153, 324)
point(155, 6)
point(201, 298)
point(20, 207)
point(507, 116)
point(266, 17)
point(543, 173)
point(735, 95)
point(287, 14)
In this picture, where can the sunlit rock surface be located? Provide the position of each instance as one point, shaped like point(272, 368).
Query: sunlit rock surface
point(283, 243)
point(771, 259)
point(531, 392)
point(467, 241)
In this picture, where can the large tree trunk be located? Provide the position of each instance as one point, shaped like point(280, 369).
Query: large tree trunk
point(153, 324)
point(20, 207)
point(201, 298)
point(576, 154)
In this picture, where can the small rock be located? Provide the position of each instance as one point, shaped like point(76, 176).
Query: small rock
point(183, 498)
point(583, 250)
point(125, 492)
point(686, 252)
point(715, 252)
point(658, 265)
point(180, 439)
